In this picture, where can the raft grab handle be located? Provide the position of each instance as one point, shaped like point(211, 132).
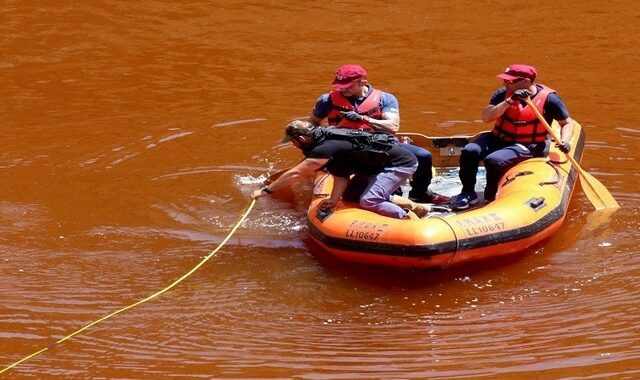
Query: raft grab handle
point(536, 203)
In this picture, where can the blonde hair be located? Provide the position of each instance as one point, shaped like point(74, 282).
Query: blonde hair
point(300, 125)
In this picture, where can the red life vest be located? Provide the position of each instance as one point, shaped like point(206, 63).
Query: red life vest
point(369, 107)
point(519, 123)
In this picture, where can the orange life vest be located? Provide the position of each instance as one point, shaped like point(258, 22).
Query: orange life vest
point(369, 107)
point(519, 123)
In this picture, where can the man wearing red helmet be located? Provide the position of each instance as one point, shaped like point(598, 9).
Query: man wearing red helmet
point(517, 134)
point(356, 104)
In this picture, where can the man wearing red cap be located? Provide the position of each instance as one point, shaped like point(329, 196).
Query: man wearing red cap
point(356, 104)
point(517, 134)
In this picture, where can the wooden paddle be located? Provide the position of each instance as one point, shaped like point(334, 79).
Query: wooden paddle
point(598, 195)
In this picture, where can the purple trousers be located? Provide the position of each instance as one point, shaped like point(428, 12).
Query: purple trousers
point(374, 192)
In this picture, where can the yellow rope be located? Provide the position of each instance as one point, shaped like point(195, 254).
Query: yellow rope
point(176, 282)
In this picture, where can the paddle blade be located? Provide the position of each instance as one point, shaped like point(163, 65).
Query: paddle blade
point(595, 191)
point(597, 194)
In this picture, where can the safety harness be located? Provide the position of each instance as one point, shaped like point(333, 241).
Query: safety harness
point(369, 154)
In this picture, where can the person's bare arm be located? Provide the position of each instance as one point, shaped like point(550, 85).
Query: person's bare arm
point(390, 122)
point(339, 187)
point(313, 119)
point(492, 112)
point(304, 168)
point(566, 129)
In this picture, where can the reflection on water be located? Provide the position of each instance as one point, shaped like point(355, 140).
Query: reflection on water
point(134, 134)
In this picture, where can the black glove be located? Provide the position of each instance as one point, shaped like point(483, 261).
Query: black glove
point(352, 115)
point(564, 147)
point(521, 94)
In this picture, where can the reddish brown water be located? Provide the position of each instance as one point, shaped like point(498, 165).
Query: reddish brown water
point(134, 132)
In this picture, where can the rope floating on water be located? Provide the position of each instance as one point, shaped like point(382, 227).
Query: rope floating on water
point(154, 295)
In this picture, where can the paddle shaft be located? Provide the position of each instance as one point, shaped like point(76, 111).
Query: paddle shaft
point(595, 191)
point(551, 132)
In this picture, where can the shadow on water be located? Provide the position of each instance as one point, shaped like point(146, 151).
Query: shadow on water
point(395, 278)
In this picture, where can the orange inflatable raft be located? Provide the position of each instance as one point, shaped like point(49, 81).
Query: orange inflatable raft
point(530, 206)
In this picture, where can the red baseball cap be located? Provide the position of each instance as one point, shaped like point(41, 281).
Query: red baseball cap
point(347, 75)
point(518, 71)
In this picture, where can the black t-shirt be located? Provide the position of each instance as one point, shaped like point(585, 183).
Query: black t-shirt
point(345, 159)
point(554, 107)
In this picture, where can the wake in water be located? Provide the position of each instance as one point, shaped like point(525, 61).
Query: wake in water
point(287, 213)
point(280, 219)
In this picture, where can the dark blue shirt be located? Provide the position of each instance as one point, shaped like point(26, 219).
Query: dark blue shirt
point(554, 108)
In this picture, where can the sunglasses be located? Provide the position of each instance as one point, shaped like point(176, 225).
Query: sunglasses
point(512, 81)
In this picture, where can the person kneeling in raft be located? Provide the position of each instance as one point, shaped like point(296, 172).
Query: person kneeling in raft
point(378, 163)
